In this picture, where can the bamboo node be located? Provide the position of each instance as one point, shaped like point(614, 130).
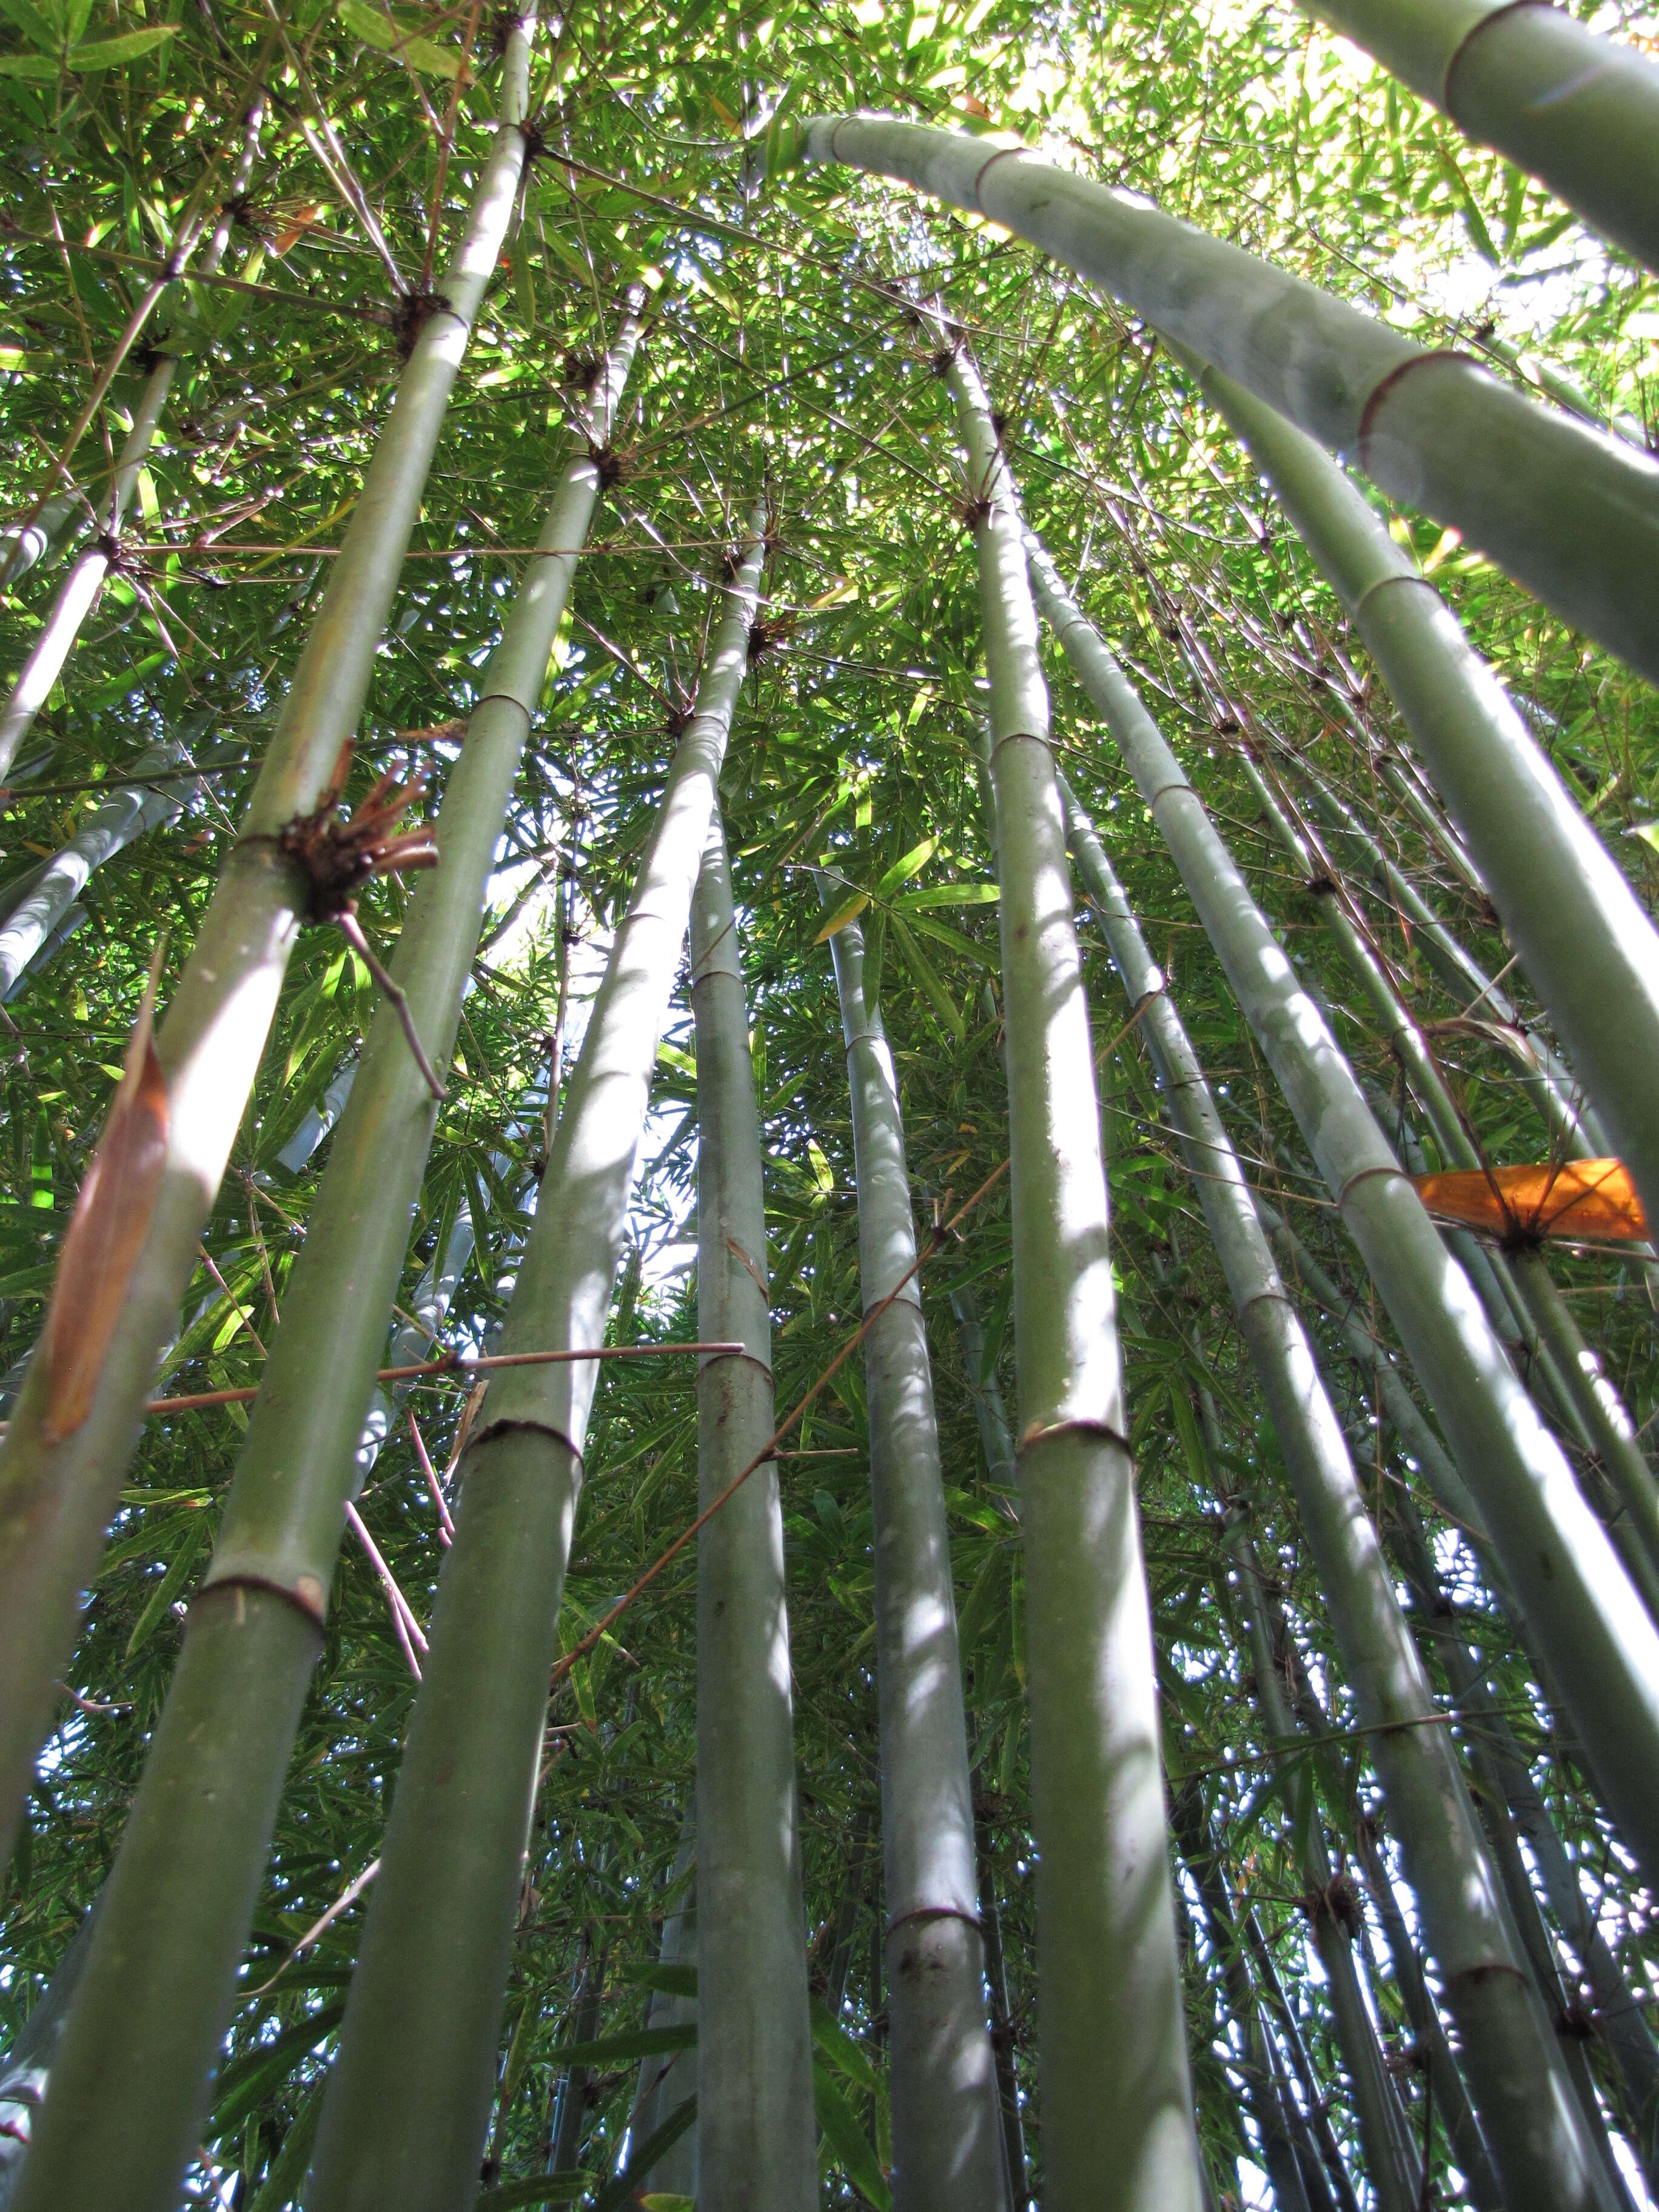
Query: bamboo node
point(1338, 1902)
point(413, 312)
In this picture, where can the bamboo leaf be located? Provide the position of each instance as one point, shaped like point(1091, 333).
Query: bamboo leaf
point(847, 2139)
point(383, 31)
point(849, 909)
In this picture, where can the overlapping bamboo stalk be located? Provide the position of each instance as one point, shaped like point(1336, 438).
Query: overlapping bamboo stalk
point(1572, 514)
point(756, 2138)
point(1114, 2061)
point(409, 2099)
point(59, 1483)
point(947, 2147)
point(1533, 2134)
point(201, 1824)
point(1591, 1626)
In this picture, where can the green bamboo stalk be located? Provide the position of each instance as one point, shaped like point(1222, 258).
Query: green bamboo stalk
point(1572, 514)
point(757, 2140)
point(1577, 111)
point(1537, 2140)
point(125, 816)
point(82, 588)
point(24, 544)
point(56, 1493)
point(1114, 2062)
point(666, 2080)
point(947, 2147)
point(1587, 1394)
point(1591, 1626)
point(153, 2006)
point(408, 2101)
point(1584, 940)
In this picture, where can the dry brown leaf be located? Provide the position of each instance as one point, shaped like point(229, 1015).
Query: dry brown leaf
point(1592, 1199)
point(107, 1229)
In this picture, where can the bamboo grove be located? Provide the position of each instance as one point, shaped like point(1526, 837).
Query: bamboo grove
point(828, 1017)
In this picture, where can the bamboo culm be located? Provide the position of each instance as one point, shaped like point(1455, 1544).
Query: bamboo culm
point(1593, 1631)
point(409, 2099)
point(756, 2142)
point(1572, 107)
point(1112, 2064)
point(125, 816)
point(1572, 514)
point(1584, 940)
point(947, 2145)
point(56, 1493)
point(197, 1839)
point(81, 589)
point(667, 2079)
point(1515, 2081)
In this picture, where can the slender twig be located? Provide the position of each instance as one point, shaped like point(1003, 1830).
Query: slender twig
point(455, 1363)
point(446, 1526)
point(348, 1897)
point(352, 930)
point(410, 1634)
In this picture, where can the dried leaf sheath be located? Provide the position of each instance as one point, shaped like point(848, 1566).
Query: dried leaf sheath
point(107, 1229)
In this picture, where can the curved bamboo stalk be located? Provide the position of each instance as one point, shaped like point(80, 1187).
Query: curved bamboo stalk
point(1571, 513)
point(57, 1489)
point(201, 1823)
point(1536, 2139)
point(947, 2147)
point(1591, 1625)
point(1113, 2035)
point(408, 2103)
point(1577, 111)
point(24, 544)
point(756, 2143)
point(1584, 937)
point(81, 589)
